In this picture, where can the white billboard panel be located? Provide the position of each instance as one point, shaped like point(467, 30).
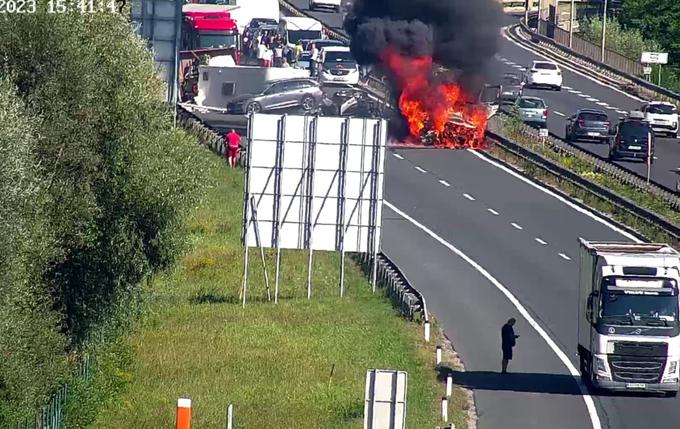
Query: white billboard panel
point(385, 399)
point(317, 181)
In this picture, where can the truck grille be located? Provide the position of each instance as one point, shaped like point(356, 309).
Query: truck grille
point(634, 362)
point(632, 369)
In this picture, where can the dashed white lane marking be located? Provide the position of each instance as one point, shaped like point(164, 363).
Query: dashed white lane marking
point(602, 103)
point(493, 212)
point(396, 155)
point(566, 87)
point(445, 183)
point(516, 226)
point(563, 256)
point(574, 91)
point(584, 95)
point(559, 113)
point(517, 66)
point(590, 404)
point(592, 99)
point(621, 112)
point(612, 108)
point(540, 241)
point(469, 197)
point(420, 169)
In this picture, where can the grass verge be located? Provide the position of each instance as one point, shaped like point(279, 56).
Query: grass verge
point(644, 227)
point(272, 361)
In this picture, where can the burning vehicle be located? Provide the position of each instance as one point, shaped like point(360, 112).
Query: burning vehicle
point(433, 57)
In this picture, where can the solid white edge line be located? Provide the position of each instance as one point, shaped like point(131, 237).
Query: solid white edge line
point(493, 212)
point(396, 155)
point(590, 404)
point(564, 256)
point(516, 226)
point(559, 113)
point(445, 183)
point(540, 241)
point(420, 169)
point(574, 206)
point(469, 197)
point(592, 79)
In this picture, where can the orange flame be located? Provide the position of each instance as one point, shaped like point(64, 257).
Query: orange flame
point(437, 113)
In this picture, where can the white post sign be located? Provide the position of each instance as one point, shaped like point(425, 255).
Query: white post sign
point(385, 401)
point(654, 58)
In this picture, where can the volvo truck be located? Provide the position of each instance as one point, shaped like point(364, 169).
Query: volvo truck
point(628, 328)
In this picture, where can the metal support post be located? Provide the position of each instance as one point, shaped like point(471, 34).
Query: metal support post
point(571, 23)
point(277, 203)
point(342, 202)
point(311, 160)
point(604, 30)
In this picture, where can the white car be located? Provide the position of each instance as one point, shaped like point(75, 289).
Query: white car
point(543, 74)
point(337, 65)
point(663, 117)
point(335, 5)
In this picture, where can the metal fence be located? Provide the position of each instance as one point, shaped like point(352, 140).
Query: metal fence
point(51, 415)
point(590, 50)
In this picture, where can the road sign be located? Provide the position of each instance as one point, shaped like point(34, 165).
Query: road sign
point(543, 132)
point(654, 58)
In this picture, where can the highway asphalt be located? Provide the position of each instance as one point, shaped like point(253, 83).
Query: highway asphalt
point(578, 92)
point(528, 241)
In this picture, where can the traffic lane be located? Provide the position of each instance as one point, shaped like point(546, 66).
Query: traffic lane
point(326, 16)
point(575, 81)
point(539, 392)
point(475, 183)
point(563, 104)
point(547, 289)
point(535, 272)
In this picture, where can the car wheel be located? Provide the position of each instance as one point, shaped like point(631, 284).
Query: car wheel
point(308, 103)
point(253, 107)
point(558, 88)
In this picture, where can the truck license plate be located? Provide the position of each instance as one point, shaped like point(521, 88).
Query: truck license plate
point(593, 134)
point(635, 147)
point(636, 385)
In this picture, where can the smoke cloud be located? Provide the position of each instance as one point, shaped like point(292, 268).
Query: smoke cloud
point(459, 34)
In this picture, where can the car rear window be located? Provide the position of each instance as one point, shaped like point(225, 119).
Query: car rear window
point(545, 66)
point(634, 129)
point(531, 103)
point(593, 117)
point(660, 109)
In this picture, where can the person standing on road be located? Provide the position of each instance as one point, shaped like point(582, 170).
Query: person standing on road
point(508, 338)
point(233, 142)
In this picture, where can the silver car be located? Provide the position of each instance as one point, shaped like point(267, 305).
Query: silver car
point(279, 94)
point(533, 111)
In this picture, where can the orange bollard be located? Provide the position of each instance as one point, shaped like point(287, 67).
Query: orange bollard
point(184, 413)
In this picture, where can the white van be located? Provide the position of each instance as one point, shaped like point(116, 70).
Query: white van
point(296, 28)
point(338, 66)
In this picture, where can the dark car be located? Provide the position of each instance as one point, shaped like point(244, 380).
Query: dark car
point(631, 139)
point(279, 94)
point(511, 88)
point(588, 124)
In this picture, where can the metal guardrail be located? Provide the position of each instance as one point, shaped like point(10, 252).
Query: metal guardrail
point(404, 296)
point(609, 68)
point(594, 188)
point(600, 165)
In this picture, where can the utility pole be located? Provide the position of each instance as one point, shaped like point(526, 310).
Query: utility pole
point(571, 23)
point(526, 12)
point(538, 20)
point(604, 29)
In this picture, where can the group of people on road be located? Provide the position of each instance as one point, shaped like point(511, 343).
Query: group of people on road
point(270, 50)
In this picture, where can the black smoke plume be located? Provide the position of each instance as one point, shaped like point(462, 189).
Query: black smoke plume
point(459, 34)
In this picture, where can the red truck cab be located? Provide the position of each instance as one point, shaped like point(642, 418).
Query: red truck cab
point(209, 27)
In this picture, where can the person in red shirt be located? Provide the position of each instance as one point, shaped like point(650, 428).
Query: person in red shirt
point(233, 140)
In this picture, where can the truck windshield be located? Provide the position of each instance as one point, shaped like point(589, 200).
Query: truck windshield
point(661, 310)
point(215, 40)
point(295, 35)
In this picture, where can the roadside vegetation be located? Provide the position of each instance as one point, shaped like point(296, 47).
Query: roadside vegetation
point(299, 363)
point(511, 128)
point(643, 25)
point(95, 188)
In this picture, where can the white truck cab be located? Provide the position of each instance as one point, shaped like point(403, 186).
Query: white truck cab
point(663, 117)
point(296, 28)
point(628, 326)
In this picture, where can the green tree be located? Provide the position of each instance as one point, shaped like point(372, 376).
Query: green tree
point(658, 20)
